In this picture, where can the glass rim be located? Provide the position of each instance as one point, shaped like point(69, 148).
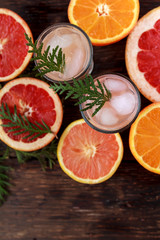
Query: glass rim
point(63, 24)
point(121, 129)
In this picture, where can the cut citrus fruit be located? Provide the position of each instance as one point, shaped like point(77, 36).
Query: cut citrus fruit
point(105, 21)
point(143, 55)
point(36, 101)
point(87, 155)
point(14, 56)
point(144, 138)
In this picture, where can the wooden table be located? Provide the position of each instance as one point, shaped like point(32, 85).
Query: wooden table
point(49, 205)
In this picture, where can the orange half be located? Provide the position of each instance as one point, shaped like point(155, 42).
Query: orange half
point(105, 21)
point(144, 138)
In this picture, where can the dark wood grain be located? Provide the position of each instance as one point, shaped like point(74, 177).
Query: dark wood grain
point(51, 206)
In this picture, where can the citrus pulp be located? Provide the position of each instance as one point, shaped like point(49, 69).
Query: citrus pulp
point(144, 138)
point(143, 55)
point(105, 21)
point(89, 156)
point(35, 100)
point(14, 56)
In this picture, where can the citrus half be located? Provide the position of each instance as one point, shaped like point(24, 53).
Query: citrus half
point(87, 155)
point(34, 99)
point(142, 55)
point(144, 138)
point(105, 21)
point(14, 56)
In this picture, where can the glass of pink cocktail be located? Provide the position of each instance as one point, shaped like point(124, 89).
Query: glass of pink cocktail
point(120, 111)
point(76, 46)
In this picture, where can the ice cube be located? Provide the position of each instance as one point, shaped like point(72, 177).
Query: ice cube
point(124, 104)
point(115, 85)
point(106, 116)
point(74, 63)
point(62, 41)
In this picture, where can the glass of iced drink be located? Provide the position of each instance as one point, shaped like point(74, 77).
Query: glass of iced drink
point(76, 46)
point(120, 111)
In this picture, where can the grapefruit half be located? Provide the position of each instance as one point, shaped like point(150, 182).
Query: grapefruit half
point(14, 56)
point(142, 55)
point(34, 99)
point(87, 155)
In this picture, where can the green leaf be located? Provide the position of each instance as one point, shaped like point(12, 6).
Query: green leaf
point(20, 124)
point(84, 90)
point(46, 156)
point(4, 178)
point(46, 61)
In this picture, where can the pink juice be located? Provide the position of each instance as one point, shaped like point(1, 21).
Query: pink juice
point(120, 111)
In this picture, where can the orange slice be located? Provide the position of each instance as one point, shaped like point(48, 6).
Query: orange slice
point(87, 155)
point(34, 99)
point(144, 138)
point(143, 55)
point(14, 56)
point(105, 21)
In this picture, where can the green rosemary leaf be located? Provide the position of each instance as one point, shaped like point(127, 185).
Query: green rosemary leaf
point(82, 99)
point(20, 132)
point(4, 178)
point(91, 104)
point(45, 54)
point(19, 157)
point(100, 87)
point(46, 156)
point(98, 108)
point(84, 90)
point(5, 155)
point(4, 168)
point(7, 110)
point(15, 129)
point(109, 95)
point(81, 83)
point(3, 191)
point(91, 81)
point(19, 124)
point(25, 120)
point(33, 136)
point(4, 183)
point(8, 125)
point(28, 136)
point(45, 125)
point(46, 61)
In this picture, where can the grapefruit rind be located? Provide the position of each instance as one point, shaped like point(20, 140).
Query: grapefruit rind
point(26, 61)
point(109, 40)
point(132, 133)
point(40, 142)
point(70, 173)
point(145, 23)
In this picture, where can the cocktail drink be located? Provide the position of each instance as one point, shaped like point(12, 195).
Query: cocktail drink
point(75, 45)
point(120, 111)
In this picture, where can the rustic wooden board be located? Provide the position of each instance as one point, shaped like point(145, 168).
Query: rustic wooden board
point(51, 206)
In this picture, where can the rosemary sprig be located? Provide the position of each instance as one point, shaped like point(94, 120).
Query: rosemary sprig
point(46, 156)
point(46, 61)
point(4, 178)
point(19, 124)
point(84, 90)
